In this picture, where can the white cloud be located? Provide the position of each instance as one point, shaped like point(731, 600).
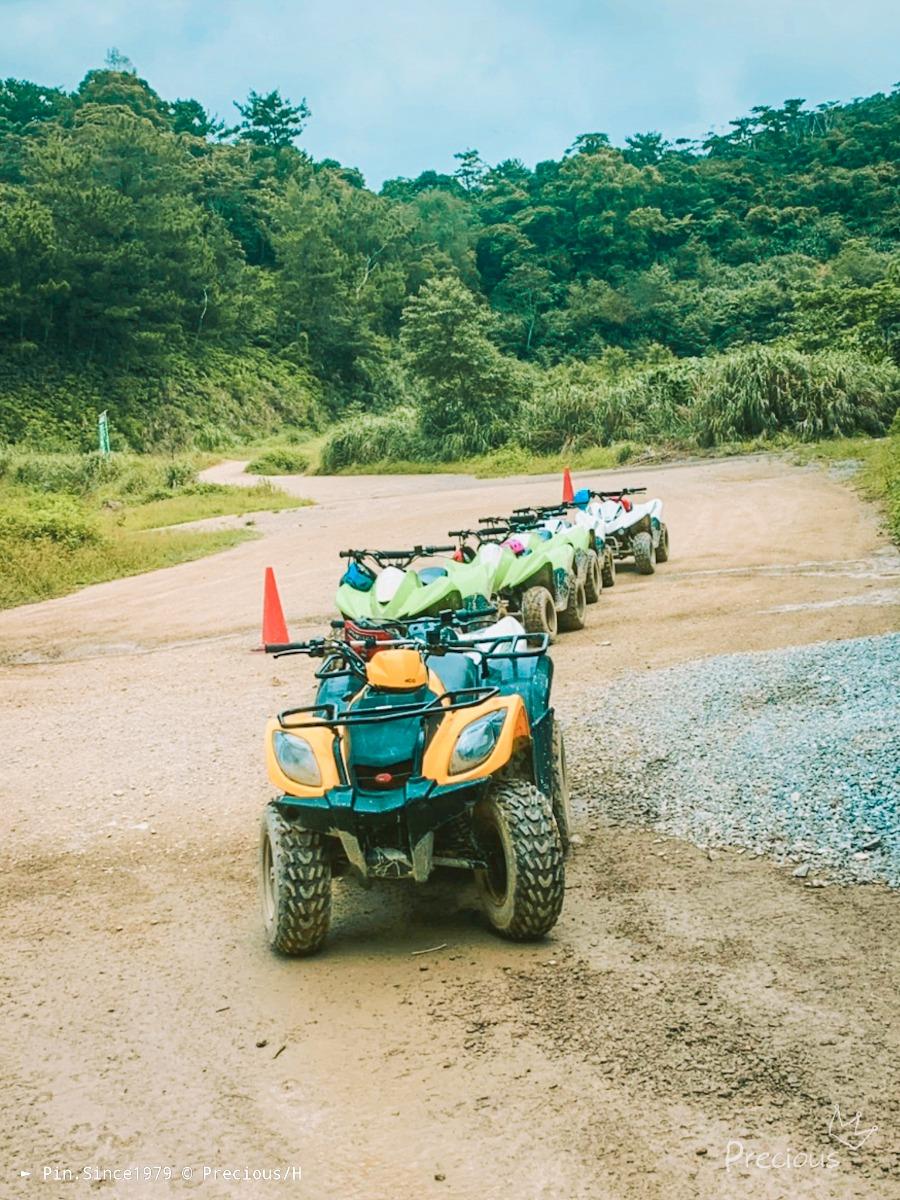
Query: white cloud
point(398, 86)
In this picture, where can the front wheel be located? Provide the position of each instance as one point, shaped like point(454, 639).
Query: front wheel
point(644, 558)
point(295, 885)
point(662, 548)
point(539, 612)
point(572, 616)
point(608, 570)
point(559, 789)
point(522, 886)
point(593, 579)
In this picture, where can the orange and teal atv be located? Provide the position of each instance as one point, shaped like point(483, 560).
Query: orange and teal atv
point(434, 753)
point(384, 584)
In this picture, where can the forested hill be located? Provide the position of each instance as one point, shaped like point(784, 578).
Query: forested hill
point(156, 262)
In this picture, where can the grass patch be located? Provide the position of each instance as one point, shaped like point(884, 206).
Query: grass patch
point(877, 474)
point(69, 520)
point(281, 460)
point(40, 568)
point(514, 460)
point(217, 501)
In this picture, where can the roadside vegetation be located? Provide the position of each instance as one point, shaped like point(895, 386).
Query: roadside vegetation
point(70, 520)
point(211, 286)
point(214, 289)
point(761, 394)
point(874, 467)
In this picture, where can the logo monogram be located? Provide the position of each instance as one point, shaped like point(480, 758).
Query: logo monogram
point(848, 1133)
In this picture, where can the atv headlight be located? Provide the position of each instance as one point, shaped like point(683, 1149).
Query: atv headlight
point(476, 742)
point(297, 759)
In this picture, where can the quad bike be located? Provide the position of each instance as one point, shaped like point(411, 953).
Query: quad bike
point(535, 575)
point(381, 584)
point(633, 530)
point(591, 519)
point(437, 752)
point(593, 558)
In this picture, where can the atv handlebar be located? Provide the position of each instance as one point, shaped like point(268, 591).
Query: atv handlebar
point(446, 617)
point(489, 647)
point(541, 510)
point(405, 555)
point(615, 493)
point(485, 534)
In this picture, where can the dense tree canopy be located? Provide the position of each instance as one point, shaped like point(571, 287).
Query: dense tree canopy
point(133, 227)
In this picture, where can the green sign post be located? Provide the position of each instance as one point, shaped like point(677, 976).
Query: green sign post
point(103, 432)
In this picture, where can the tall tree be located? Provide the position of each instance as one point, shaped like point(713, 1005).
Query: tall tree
point(271, 121)
point(469, 391)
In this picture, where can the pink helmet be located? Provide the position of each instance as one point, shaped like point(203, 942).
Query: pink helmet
point(515, 544)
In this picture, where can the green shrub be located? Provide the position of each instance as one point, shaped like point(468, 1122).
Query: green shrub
point(55, 519)
point(367, 439)
point(279, 461)
point(77, 474)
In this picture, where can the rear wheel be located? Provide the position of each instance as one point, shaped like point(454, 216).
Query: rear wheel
point(644, 558)
point(559, 789)
point(662, 549)
point(572, 616)
point(523, 884)
point(295, 885)
point(539, 612)
point(593, 580)
point(608, 570)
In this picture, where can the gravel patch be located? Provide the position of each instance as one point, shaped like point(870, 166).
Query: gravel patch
point(790, 753)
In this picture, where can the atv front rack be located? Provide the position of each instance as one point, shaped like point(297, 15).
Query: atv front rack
point(446, 702)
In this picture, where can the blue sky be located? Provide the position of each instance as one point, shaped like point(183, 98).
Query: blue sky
point(396, 86)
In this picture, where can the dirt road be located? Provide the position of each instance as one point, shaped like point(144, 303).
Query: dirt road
point(686, 1014)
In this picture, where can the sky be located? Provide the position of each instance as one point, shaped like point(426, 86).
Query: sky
point(397, 86)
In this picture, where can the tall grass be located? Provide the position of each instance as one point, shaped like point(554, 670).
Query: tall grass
point(280, 460)
point(373, 438)
point(760, 392)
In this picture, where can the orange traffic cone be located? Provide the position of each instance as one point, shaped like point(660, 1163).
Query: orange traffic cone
point(568, 492)
point(274, 626)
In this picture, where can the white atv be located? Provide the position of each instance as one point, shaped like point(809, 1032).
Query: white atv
point(632, 530)
point(589, 517)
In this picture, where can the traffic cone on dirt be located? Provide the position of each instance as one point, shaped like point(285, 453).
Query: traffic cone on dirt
point(274, 626)
point(568, 491)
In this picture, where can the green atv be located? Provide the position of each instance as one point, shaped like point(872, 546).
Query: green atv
point(384, 584)
point(588, 557)
point(437, 752)
point(538, 575)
